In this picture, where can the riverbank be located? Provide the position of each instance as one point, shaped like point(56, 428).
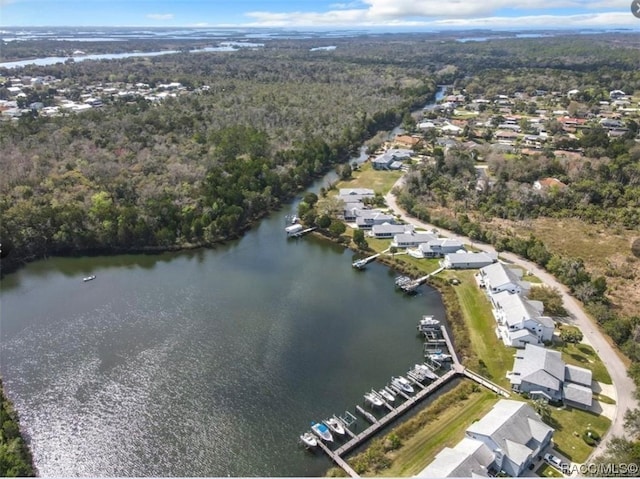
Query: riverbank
point(15, 456)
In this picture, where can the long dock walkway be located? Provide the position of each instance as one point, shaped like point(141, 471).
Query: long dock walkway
point(338, 460)
point(404, 407)
point(412, 285)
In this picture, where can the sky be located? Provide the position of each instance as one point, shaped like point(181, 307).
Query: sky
point(360, 14)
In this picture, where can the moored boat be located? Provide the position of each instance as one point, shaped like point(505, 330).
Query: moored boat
point(335, 425)
point(402, 383)
point(89, 278)
point(322, 431)
point(426, 371)
point(308, 439)
point(428, 323)
point(387, 395)
point(440, 357)
point(373, 399)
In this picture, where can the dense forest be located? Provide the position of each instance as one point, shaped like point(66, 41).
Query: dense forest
point(194, 169)
point(15, 457)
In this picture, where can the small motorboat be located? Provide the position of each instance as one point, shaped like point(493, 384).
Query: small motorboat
point(335, 425)
point(428, 323)
point(426, 371)
point(402, 383)
point(440, 357)
point(308, 439)
point(387, 395)
point(373, 399)
point(89, 278)
point(322, 431)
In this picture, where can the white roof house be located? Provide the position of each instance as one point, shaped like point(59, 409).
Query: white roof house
point(366, 219)
point(468, 260)
point(497, 277)
point(542, 373)
point(515, 315)
point(437, 248)
point(387, 230)
point(507, 439)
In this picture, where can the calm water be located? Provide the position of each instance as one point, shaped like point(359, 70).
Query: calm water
point(206, 363)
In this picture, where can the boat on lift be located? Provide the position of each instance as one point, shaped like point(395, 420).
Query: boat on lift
point(402, 383)
point(387, 395)
point(440, 357)
point(335, 425)
point(322, 431)
point(373, 399)
point(428, 323)
point(308, 439)
point(426, 371)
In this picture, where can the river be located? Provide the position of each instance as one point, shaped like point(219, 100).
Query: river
point(200, 363)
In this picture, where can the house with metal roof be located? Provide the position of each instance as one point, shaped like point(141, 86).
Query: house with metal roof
point(366, 219)
point(467, 458)
point(412, 240)
point(541, 373)
point(387, 230)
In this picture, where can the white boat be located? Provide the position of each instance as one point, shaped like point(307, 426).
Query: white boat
point(402, 383)
point(309, 440)
point(428, 323)
point(294, 219)
point(294, 229)
point(322, 431)
point(89, 278)
point(335, 425)
point(426, 371)
point(373, 399)
point(387, 395)
point(440, 357)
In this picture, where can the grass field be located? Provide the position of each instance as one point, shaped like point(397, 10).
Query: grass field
point(548, 471)
point(569, 424)
point(366, 177)
point(496, 357)
point(446, 430)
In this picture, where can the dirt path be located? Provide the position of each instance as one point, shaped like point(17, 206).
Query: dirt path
point(624, 386)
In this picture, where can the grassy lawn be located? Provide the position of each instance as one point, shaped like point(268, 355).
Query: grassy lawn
point(497, 358)
point(569, 425)
point(366, 177)
point(446, 430)
point(584, 356)
point(548, 471)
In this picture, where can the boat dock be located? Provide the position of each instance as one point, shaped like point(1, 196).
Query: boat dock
point(361, 263)
point(409, 286)
point(302, 232)
point(416, 377)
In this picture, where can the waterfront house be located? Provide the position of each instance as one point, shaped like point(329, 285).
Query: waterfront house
point(505, 441)
point(542, 374)
point(356, 192)
point(497, 277)
point(412, 240)
point(437, 248)
point(520, 321)
point(547, 183)
point(388, 231)
point(468, 260)
point(366, 219)
point(391, 159)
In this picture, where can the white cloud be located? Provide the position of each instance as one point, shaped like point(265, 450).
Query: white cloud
point(427, 12)
point(160, 16)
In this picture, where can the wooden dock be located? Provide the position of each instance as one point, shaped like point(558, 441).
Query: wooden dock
point(385, 420)
point(361, 263)
point(301, 233)
point(410, 287)
point(338, 460)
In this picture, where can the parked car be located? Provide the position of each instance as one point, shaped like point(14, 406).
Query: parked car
point(554, 461)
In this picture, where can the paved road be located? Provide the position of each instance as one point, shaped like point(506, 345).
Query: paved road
point(624, 386)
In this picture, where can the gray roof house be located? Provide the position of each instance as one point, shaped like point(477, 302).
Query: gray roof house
point(520, 321)
point(390, 157)
point(387, 230)
point(467, 458)
point(468, 260)
point(407, 240)
point(542, 373)
point(366, 219)
point(515, 434)
point(497, 277)
point(437, 248)
point(507, 439)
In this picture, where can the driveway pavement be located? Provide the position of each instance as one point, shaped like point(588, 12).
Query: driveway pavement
point(623, 387)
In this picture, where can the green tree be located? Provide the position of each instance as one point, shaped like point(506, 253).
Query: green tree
point(336, 228)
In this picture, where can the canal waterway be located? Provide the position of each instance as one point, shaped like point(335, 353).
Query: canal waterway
point(200, 363)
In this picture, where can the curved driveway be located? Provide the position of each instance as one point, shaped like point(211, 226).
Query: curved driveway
point(624, 386)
